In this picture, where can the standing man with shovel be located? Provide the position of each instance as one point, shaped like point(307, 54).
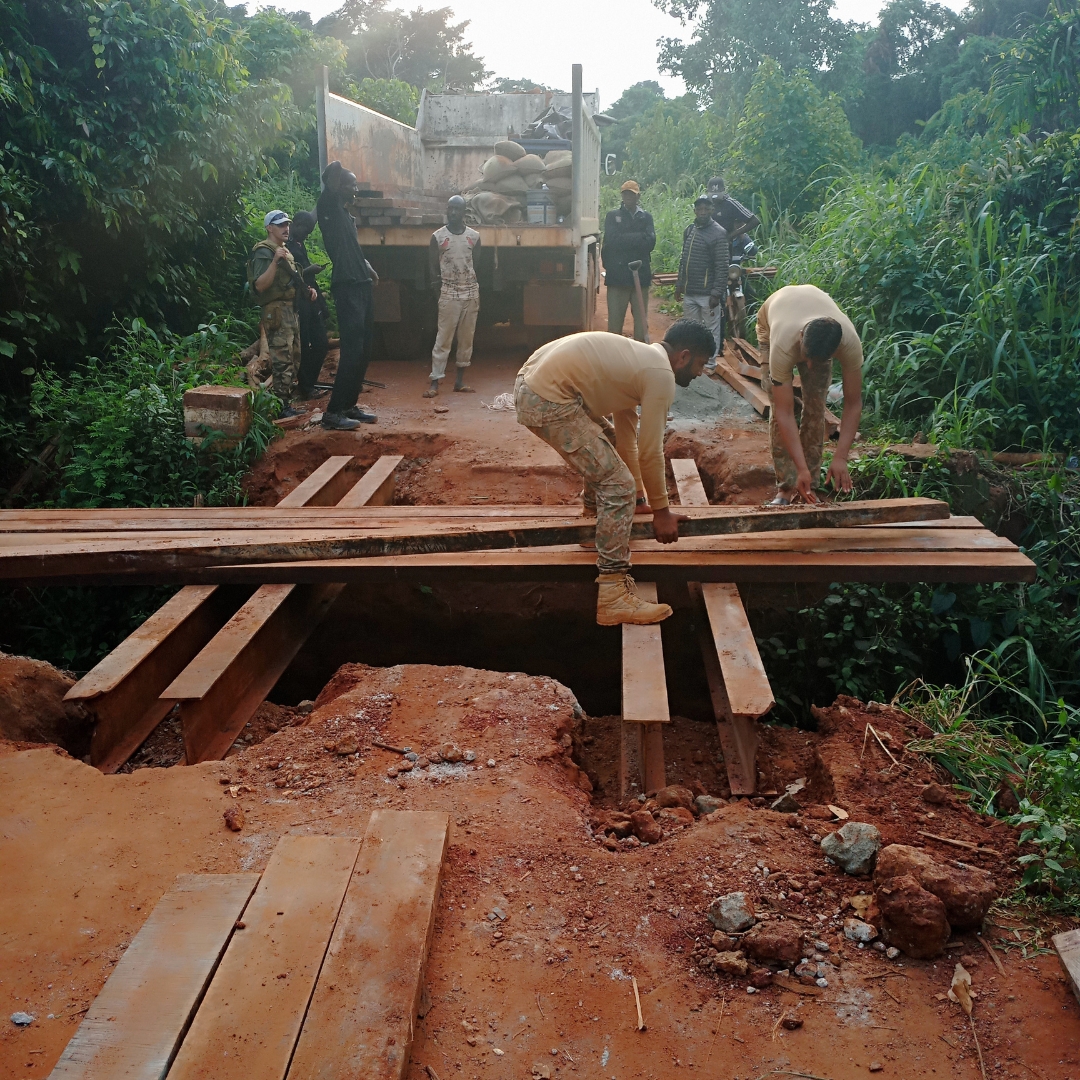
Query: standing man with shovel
point(629, 238)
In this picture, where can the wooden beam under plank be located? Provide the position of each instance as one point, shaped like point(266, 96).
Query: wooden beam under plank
point(738, 685)
point(250, 1018)
point(362, 1014)
point(376, 487)
point(124, 691)
point(644, 701)
point(134, 1026)
point(220, 689)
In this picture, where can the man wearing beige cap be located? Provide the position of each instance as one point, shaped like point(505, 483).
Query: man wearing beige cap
point(629, 237)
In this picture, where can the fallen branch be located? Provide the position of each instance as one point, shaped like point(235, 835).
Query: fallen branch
point(387, 746)
point(637, 1002)
point(965, 844)
point(993, 955)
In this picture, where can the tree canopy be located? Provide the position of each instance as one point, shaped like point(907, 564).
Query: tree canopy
point(424, 48)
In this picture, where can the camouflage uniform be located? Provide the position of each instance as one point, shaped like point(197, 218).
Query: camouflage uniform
point(278, 317)
point(815, 380)
point(609, 485)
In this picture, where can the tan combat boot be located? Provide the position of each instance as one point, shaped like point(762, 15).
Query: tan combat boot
point(618, 602)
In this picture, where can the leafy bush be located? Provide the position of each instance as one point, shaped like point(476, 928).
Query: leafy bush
point(118, 428)
point(984, 752)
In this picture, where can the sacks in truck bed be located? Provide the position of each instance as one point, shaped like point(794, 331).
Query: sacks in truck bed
point(491, 208)
point(496, 167)
point(507, 148)
point(557, 159)
point(559, 184)
point(512, 185)
point(530, 164)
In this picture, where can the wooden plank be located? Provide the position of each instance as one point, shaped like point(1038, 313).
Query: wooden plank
point(197, 550)
point(250, 1018)
point(866, 538)
point(134, 1027)
point(572, 563)
point(733, 667)
point(376, 487)
point(747, 685)
point(644, 694)
point(688, 482)
point(362, 1015)
point(324, 487)
point(219, 691)
point(142, 526)
point(124, 691)
point(749, 390)
point(222, 687)
point(1067, 946)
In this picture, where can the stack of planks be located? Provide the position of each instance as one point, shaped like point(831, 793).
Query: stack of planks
point(373, 208)
point(891, 539)
point(313, 969)
point(740, 367)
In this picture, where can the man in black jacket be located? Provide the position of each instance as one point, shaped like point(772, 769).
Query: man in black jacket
point(353, 292)
point(313, 340)
point(703, 270)
point(629, 236)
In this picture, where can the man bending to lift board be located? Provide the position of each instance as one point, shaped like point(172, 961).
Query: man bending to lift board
point(562, 393)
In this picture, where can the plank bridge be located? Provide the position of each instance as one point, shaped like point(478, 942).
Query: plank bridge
point(256, 581)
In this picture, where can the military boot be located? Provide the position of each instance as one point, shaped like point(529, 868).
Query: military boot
point(618, 602)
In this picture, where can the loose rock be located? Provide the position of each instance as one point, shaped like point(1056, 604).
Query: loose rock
point(722, 943)
point(857, 930)
point(967, 892)
point(934, 794)
point(731, 912)
point(730, 963)
point(760, 978)
point(21, 1019)
point(234, 818)
point(645, 828)
point(675, 795)
point(708, 804)
point(791, 1023)
point(775, 942)
point(912, 919)
point(854, 847)
point(348, 745)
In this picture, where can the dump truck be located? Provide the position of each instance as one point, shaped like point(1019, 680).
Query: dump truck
point(537, 281)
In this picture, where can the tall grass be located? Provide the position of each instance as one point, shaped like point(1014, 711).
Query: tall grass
point(968, 316)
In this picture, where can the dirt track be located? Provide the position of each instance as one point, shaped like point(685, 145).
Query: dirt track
point(83, 858)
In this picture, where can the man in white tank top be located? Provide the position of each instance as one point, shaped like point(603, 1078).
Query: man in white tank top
point(451, 258)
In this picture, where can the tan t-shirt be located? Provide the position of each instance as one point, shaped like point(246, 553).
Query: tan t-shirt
point(781, 320)
point(613, 374)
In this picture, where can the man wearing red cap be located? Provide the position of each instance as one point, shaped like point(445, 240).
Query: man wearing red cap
point(629, 236)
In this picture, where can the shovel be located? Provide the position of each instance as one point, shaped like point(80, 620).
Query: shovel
point(635, 266)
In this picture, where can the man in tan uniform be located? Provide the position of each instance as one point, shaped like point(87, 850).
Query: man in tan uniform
point(561, 394)
point(799, 327)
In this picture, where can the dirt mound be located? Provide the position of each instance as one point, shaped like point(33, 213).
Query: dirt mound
point(735, 465)
point(32, 706)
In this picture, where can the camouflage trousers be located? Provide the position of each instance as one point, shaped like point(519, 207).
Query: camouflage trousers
point(815, 380)
point(282, 326)
point(583, 444)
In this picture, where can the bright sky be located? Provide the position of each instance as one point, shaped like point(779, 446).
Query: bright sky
point(614, 40)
